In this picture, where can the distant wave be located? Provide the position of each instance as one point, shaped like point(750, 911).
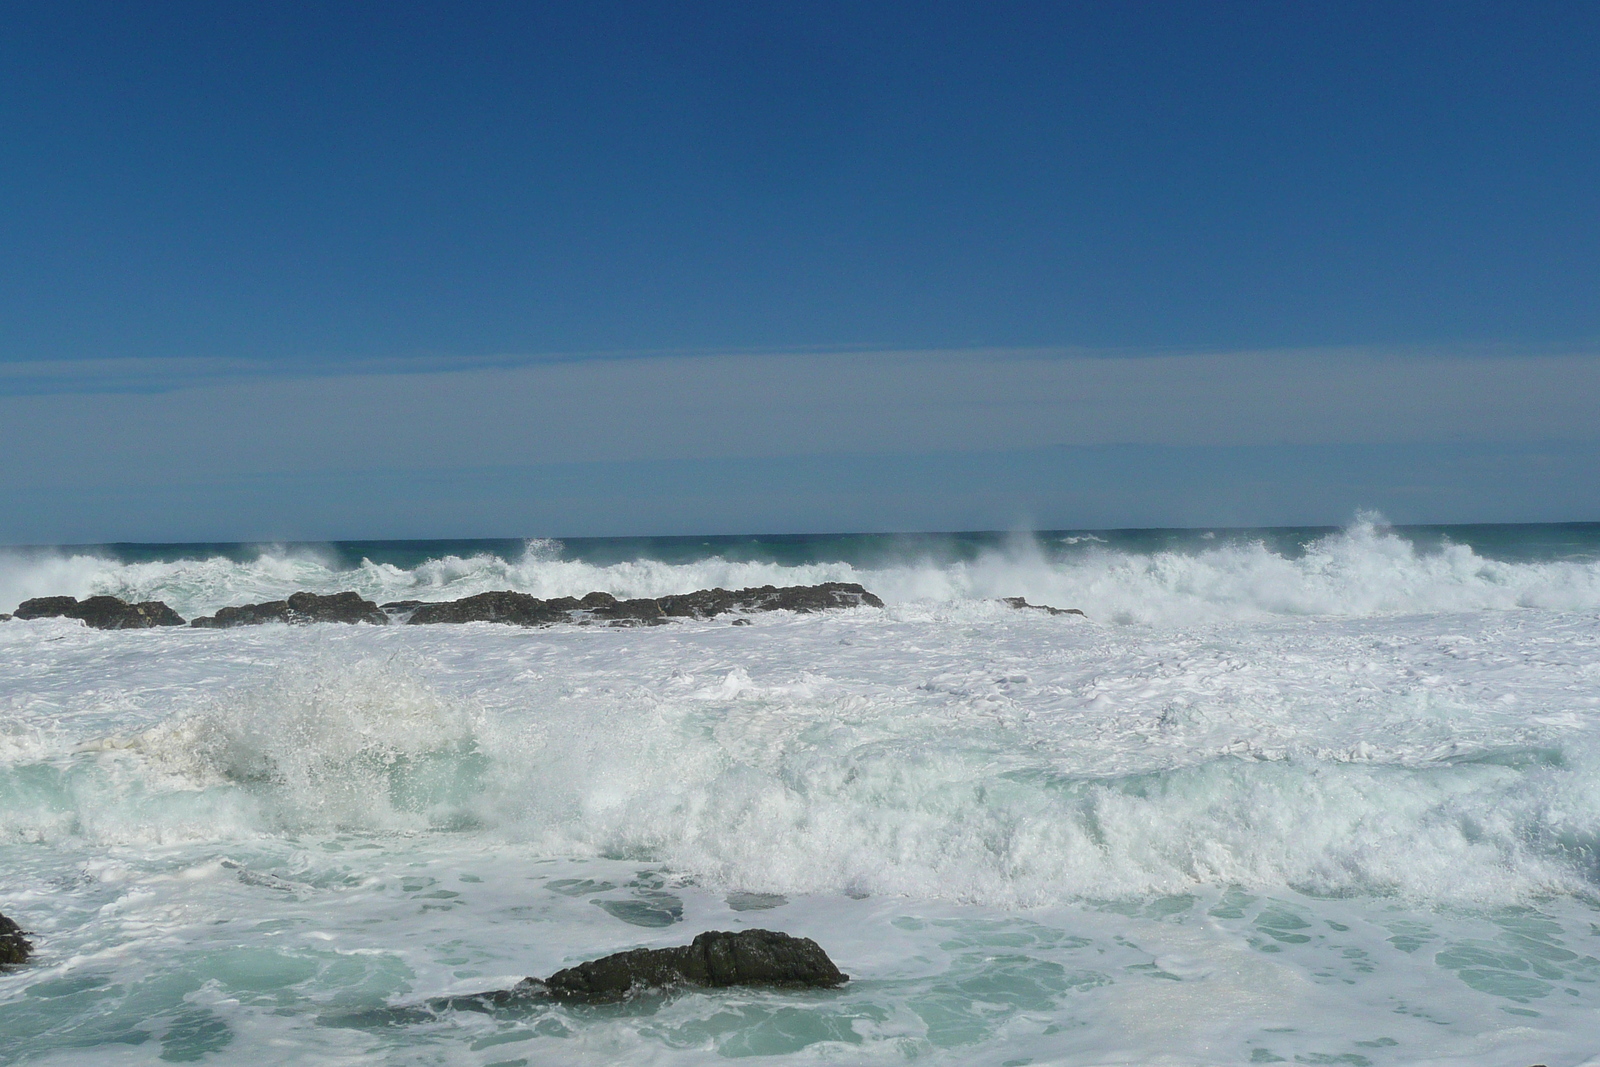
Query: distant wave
point(1364, 569)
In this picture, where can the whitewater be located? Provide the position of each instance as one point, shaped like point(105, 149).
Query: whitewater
point(1326, 797)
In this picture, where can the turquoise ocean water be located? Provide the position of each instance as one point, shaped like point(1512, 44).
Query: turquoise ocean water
point(1290, 795)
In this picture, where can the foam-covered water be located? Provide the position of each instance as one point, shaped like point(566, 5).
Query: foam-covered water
point(1324, 798)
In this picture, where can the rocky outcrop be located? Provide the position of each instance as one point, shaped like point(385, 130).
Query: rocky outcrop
point(336, 607)
point(14, 948)
point(714, 960)
point(523, 609)
point(798, 598)
point(1021, 603)
point(518, 609)
point(101, 612)
point(299, 609)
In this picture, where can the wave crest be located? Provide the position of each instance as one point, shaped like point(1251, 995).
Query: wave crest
point(1365, 569)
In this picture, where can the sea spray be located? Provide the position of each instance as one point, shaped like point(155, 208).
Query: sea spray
point(1365, 569)
point(1325, 798)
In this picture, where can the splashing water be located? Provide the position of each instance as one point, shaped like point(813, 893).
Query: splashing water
point(1334, 800)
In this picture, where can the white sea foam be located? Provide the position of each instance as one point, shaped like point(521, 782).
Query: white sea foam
point(1366, 569)
point(1127, 767)
point(1342, 806)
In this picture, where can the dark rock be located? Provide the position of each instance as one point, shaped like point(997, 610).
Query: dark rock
point(245, 615)
point(742, 622)
point(701, 604)
point(518, 609)
point(111, 613)
point(716, 959)
point(299, 609)
point(1021, 603)
point(336, 607)
point(47, 607)
point(101, 612)
point(4, 617)
point(14, 948)
point(523, 609)
point(798, 598)
point(640, 612)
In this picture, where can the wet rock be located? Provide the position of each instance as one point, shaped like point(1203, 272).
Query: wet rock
point(715, 960)
point(337, 607)
point(47, 607)
point(706, 603)
point(245, 615)
point(505, 606)
point(518, 609)
point(14, 948)
point(640, 612)
point(101, 612)
point(742, 622)
point(299, 609)
point(523, 609)
point(4, 617)
point(1021, 603)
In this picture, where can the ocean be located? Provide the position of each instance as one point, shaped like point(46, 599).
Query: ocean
point(1321, 796)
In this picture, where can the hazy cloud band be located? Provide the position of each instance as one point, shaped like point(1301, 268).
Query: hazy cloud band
point(752, 406)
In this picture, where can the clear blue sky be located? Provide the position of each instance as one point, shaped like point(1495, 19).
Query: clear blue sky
point(203, 192)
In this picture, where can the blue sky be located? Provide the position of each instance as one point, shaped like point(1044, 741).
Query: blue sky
point(394, 269)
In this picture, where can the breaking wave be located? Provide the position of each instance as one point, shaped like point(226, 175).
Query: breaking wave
point(725, 785)
point(1365, 569)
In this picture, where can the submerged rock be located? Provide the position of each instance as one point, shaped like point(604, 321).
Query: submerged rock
point(101, 612)
point(1021, 603)
point(299, 609)
point(524, 609)
point(716, 960)
point(14, 948)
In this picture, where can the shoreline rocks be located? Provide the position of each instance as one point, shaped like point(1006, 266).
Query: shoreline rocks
point(504, 606)
point(101, 612)
point(717, 959)
point(14, 947)
point(524, 609)
point(802, 599)
point(298, 610)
